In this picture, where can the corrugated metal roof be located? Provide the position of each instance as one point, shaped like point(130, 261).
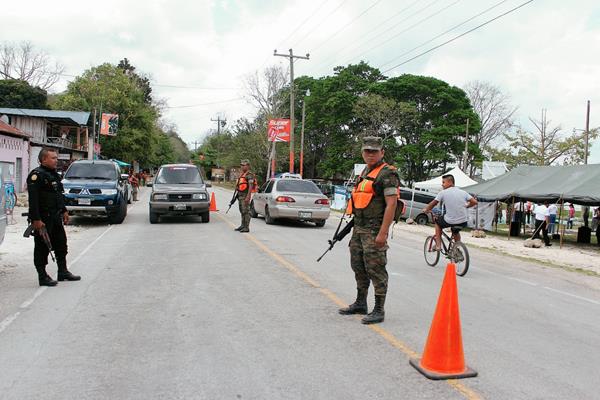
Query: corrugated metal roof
point(78, 117)
point(6, 128)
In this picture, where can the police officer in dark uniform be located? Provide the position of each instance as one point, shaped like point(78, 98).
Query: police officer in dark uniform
point(47, 209)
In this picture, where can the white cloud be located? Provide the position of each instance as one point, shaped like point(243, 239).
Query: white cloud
point(544, 55)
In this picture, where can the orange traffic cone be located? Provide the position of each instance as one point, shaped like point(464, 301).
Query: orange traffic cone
point(213, 203)
point(443, 357)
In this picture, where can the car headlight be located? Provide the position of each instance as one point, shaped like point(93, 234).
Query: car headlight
point(199, 196)
point(160, 196)
point(108, 191)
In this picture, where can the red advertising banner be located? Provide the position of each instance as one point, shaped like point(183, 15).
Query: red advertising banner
point(109, 124)
point(279, 130)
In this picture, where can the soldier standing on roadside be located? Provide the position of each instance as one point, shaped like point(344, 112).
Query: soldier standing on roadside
point(47, 209)
point(373, 202)
point(244, 186)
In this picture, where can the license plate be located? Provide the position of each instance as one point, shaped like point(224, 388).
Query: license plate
point(304, 214)
point(179, 207)
point(84, 201)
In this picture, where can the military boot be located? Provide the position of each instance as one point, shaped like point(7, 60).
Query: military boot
point(378, 314)
point(64, 274)
point(239, 228)
point(359, 306)
point(43, 278)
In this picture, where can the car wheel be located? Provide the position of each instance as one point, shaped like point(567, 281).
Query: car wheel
point(268, 219)
point(421, 219)
point(154, 217)
point(253, 212)
point(119, 217)
point(320, 223)
point(205, 217)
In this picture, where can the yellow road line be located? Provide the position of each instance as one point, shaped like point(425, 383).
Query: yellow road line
point(467, 392)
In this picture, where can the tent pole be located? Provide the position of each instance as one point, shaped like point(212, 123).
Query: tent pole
point(512, 212)
point(562, 203)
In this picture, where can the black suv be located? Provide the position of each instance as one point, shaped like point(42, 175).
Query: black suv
point(96, 188)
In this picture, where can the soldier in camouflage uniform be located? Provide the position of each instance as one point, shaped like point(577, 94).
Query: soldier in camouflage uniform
point(373, 204)
point(245, 184)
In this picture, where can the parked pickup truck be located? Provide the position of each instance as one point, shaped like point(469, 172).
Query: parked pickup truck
point(96, 188)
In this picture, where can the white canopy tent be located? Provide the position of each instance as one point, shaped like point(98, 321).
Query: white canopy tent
point(434, 185)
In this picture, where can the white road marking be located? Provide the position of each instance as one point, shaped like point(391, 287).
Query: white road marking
point(522, 281)
point(10, 319)
point(573, 295)
point(37, 294)
point(510, 277)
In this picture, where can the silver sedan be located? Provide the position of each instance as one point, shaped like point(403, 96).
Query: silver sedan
point(290, 198)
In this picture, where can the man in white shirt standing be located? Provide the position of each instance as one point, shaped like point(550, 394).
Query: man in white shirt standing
point(455, 201)
point(542, 219)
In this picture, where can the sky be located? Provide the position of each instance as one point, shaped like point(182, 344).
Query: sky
point(543, 55)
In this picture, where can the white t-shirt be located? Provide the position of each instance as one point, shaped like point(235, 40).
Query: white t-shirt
point(454, 200)
point(541, 212)
point(553, 209)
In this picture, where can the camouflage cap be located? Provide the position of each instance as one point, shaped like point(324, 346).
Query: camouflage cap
point(372, 143)
point(245, 162)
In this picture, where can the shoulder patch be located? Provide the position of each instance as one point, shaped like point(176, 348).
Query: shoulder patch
point(34, 177)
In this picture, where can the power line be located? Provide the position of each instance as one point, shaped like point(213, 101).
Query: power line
point(302, 23)
point(459, 36)
point(319, 23)
point(347, 25)
point(368, 40)
point(443, 33)
point(208, 104)
point(406, 30)
point(173, 86)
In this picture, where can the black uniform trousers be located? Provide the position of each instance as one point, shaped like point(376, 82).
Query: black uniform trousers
point(544, 230)
point(58, 238)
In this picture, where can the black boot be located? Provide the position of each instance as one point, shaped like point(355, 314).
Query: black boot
point(64, 274)
point(244, 230)
point(43, 278)
point(378, 314)
point(239, 228)
point(359, 306)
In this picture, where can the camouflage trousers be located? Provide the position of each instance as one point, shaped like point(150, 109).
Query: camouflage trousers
point(368, 262)
point(244, 210)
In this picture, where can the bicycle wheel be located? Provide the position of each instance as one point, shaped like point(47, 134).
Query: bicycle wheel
point(431, 257)
point(460, 258)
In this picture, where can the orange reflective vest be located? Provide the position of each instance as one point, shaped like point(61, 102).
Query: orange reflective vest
point(242, 184)
point(363, 192)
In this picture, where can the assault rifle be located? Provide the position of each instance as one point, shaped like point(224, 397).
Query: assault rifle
point(340, 234)
point(43, 233)
point(233, 199)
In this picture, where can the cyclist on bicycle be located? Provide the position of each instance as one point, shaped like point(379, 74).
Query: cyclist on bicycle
point(455, 201)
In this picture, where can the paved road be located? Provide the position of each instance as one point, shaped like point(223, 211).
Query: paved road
point(185, 310)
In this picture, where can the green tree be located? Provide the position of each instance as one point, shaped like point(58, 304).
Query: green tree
point(434, 135)
point(15, 93)
point(107, 88)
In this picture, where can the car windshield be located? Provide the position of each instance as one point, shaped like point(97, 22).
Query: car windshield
point(297, 186)
point(91, 171)
point(178, 175)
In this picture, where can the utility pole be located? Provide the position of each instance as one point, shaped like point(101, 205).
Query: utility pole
point(291, 56)
point(302, 138)
point(587, 133)
point(220, 122)
point(466, 153)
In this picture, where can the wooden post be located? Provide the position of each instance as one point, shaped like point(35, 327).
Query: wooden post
point(512, 211)
point(562, 203)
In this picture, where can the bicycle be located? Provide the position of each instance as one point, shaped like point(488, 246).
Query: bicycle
point(455, 251)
